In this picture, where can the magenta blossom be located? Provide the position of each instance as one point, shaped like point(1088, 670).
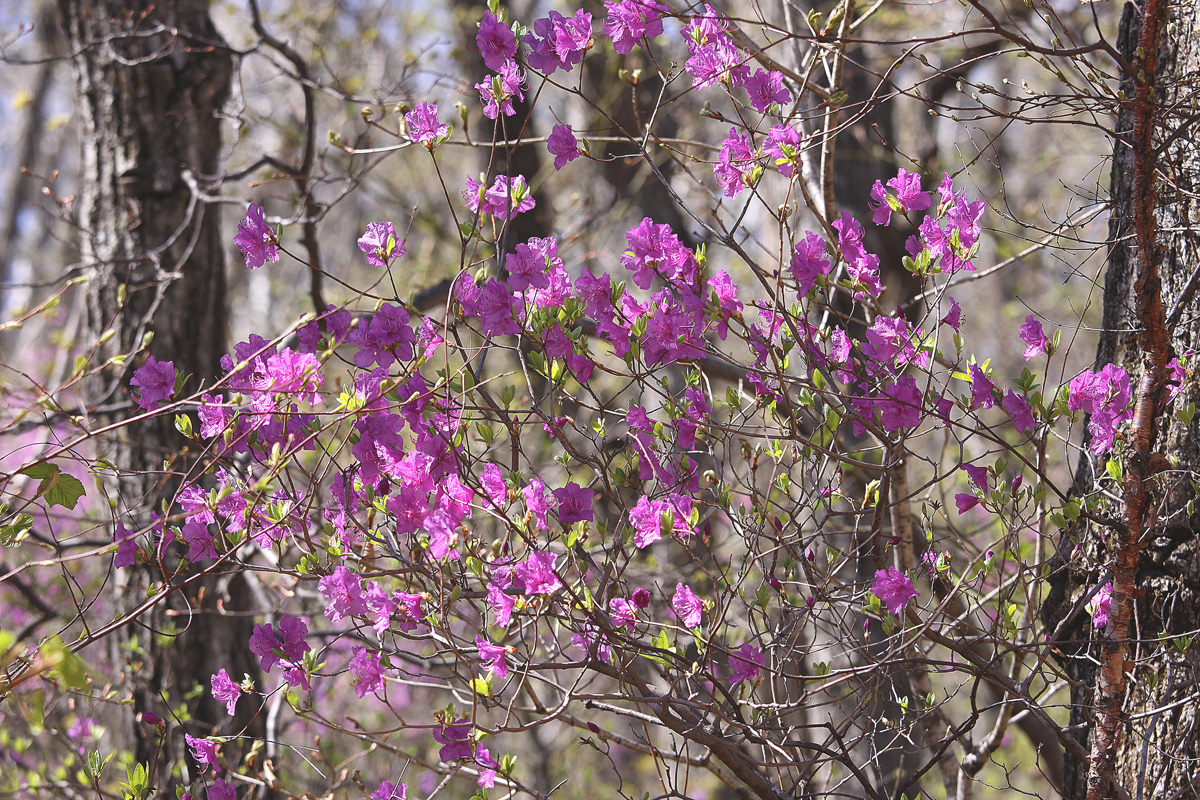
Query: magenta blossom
point(492, 656)
point(630, 21)
point(745, 664)
point(687, 606)
point(894, 588)
point(562, 145)
point(423, 125)
point(1035, 340)
point(381, 244)
point(1100, 606)
point(390, 791)
point(224, 690)
point(496, 42)
point(204, 751)
point(255, 238)
point(157, 381)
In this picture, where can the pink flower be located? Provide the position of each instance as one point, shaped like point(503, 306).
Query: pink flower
point(641, 597)
point(157, 380)
point(559, 42)
point(978, 476)
point(496, 42)
point(766, 89)
point(493, 657)
point(343, 591)
point(423, 125)
point(623, 612)
point(562, 145)
point(734, 169)
point(628, 21)
point(809, 262)
point(1035, 340)
point(455, 739)
point(367, 669)
point(381, 244)
point(953, 317)
point(204, 751)
point(127, 548)
point(390, 791)
point(220, 790)
point(574, 504)
point(783, 148)
point(224, 690)
point(687, 606)
point(746, 664)
point(965, 502)
point(537, 572)
point(255, 238)
point(1101, 605)
point(981, 388)
point(504, 199)
point(894, 588)
point(1018, 408)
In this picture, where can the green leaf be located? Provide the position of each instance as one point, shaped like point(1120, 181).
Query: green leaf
point(56, 486)
point(15, 532)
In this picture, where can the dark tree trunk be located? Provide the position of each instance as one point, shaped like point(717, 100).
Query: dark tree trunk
point(152, 78)
point(1159, 747)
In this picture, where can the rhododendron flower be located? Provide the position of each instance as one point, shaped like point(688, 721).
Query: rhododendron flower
point(574, 504)
point(255, 238)
point(224, 690)
point(641, 597)
point(127, 547)
point(562, 145)
point(965, 502)
point(537, 572)
point(631, 20)
point(735, 165)
point(978, 476)
point(493, 657)
point(496, 41)
point(982, 388)
point(423, 125)
point(745, 664)
point(343, 591)
point(894, 588)
point(504, 199)
point(204, 751)
point(287, 641)
point(782, 146)
point(381, 244)
point(157, 381)
point(559, 42)
point(497, 91)
point(488, 768)
point(953, 317)
point(766, 89)
point(1019, 409)
point(687, 606)
point(455, 739)
point(367, 669)
point(1105, 396)
point(1100, 606)
point(1035, 340)
point(714, 56)
point(623, 612)
point(906, 193)
point(390, 791)
point(220, 790)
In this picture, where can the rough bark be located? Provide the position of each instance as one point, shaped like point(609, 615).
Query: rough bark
point(1156, 748)
point(152, 79)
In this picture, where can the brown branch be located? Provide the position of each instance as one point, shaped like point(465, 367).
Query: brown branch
point(1154, 339)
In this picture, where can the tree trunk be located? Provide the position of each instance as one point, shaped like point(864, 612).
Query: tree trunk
point(152, 78)
point(1158, 748)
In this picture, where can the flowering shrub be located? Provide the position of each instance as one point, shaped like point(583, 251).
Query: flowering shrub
point(657, 505)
